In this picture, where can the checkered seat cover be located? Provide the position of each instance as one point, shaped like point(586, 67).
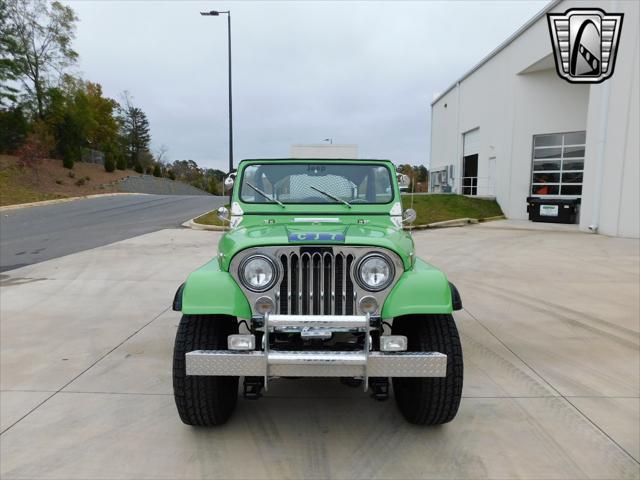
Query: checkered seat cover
point(300, 186)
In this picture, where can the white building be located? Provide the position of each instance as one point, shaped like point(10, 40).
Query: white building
point(492, 129)
point(324, 150)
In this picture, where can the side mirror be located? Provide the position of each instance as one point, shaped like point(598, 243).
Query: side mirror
point(403, 180)
point(223, 214)
point(409, 215)
point(229, 181)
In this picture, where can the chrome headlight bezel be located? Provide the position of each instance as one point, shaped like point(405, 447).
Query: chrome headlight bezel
point(390, 278)
point(245, 282)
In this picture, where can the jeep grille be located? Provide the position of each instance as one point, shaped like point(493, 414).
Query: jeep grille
point(324, 276)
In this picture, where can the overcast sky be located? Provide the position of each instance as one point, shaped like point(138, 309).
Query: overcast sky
point(357, 72)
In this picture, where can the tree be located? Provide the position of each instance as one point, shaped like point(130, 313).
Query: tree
point(81, 117)
point(40, 45)
point(157, 170)
point(161, 154)
point(109, 164)
point(135, 130)
point(35, 148)
point(68, 161)
point(121, 162)
point(421, 173)
point(13, 129)
point(8, 66)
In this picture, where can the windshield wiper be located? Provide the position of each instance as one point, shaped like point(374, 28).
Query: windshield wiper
point(266, 195)
point(330, 196)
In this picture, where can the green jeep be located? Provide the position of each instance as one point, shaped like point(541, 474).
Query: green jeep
point(317, 278)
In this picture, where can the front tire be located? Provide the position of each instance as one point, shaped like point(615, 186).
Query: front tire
point(203, 400)
point(430, 401)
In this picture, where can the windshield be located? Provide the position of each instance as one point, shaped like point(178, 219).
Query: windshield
point(316, 183)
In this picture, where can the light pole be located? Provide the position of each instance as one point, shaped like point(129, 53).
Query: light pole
point(215, 13)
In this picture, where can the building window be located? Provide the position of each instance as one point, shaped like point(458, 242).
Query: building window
point(558, 164)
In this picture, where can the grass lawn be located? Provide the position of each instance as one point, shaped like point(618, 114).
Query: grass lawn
point(430, 209)
point(21, 185)
point(12, 191)
point(211, 218)
point(438, 208)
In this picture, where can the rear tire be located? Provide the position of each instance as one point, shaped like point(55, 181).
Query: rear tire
point(203, 400)
point(430, 401)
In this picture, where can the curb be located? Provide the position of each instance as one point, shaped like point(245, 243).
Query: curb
point(491, 219)
point(458, 222)
point(199, 226)
point(64, 200)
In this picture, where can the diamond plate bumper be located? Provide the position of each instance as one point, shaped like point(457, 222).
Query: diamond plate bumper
point(316, 364)
point(275, 363)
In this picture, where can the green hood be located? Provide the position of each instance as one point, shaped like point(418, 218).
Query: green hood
point(354, 230)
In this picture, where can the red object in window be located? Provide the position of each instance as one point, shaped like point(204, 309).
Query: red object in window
point(543, 190)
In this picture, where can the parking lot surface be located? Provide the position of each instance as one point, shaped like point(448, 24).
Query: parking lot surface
point(550, 334)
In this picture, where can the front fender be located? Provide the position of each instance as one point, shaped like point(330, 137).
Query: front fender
point(211, 291)
point(423, 289)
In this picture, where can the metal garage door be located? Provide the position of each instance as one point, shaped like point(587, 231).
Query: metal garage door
point(471, 143)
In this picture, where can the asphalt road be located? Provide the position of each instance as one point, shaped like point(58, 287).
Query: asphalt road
point(32, 235)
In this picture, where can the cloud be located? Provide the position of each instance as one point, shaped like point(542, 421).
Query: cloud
point(359, 72)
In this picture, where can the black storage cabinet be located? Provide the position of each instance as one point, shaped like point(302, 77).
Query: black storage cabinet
point(553, 210)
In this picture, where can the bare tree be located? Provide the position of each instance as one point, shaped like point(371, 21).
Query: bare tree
point(161, 154)
point(42, 33)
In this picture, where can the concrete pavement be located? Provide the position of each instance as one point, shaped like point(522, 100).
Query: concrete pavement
point(550, 337)
point(35, 234)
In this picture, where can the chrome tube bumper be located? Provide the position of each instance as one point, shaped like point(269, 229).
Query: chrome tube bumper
point(362, 363)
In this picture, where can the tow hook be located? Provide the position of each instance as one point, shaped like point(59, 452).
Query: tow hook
point(379, 388)
point(253, 387)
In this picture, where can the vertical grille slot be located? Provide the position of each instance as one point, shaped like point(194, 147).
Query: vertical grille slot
point(327, 260)
point(316, 282)
point(307, 293)
point(339, 284)
point(294, 277)
point(284, 286)
point(349, 298)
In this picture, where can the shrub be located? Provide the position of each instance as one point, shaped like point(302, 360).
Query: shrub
point(67, 162)
point(59, 182)
point(72, 174)
point(87, 178)
point(171, 175)
point(80, 181)
point(121, 162)
point(157, 171)
point(14, 128)
point(138, 168)
point(109, 164)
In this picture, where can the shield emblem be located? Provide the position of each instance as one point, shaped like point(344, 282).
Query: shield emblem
point(585, 43)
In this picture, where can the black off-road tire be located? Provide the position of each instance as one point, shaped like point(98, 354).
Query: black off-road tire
point(430, 401)
point(203, 401)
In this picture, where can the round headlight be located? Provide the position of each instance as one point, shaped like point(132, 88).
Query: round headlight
point(375, 272)
point(258, 273)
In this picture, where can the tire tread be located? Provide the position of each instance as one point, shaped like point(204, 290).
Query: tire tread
point(203, 400)
point(431, 401)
